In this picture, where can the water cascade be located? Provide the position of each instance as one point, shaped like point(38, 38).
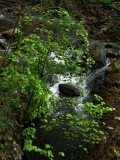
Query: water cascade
point(91, 82)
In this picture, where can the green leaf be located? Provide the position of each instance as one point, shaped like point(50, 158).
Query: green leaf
point(104, 137)
point(80, 146)
point(85, 149)
point(47, 146)
point(69, 115)
point(117, 153)
point(61, 154)
point(118, 118)
point(111, 128)
point(101, 132)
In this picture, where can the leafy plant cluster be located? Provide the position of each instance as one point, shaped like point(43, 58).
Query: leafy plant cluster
point(83, 127)
point(23, 89)
point(117, 66)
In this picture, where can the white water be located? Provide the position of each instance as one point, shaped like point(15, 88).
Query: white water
point(2, 41)
point(87, 84)
point(83, 86)
point(2, 16)
point(56, 59)
point(97, 72)
point(65, 78)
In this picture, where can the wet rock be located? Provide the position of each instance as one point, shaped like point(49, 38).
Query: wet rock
point(112, 74)
point(9, 34)
point(50, 80)
point(5, 23)
point(2, 46)
point(69, 90)
point(16, 151)
point(110, 53)
point(108, 45)
point(98, 83)
point(96, 55)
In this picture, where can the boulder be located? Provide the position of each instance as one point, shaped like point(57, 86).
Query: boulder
point(50, 80)
point(9, 34)
point(69, 90)
point(108, 45)
point(112, 74)
point(5, 23)
point(95, 53)
point(110, 53)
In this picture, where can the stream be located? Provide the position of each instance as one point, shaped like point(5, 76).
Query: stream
point(90, 84)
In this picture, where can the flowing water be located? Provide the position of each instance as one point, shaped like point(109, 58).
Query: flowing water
point(91, 82)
